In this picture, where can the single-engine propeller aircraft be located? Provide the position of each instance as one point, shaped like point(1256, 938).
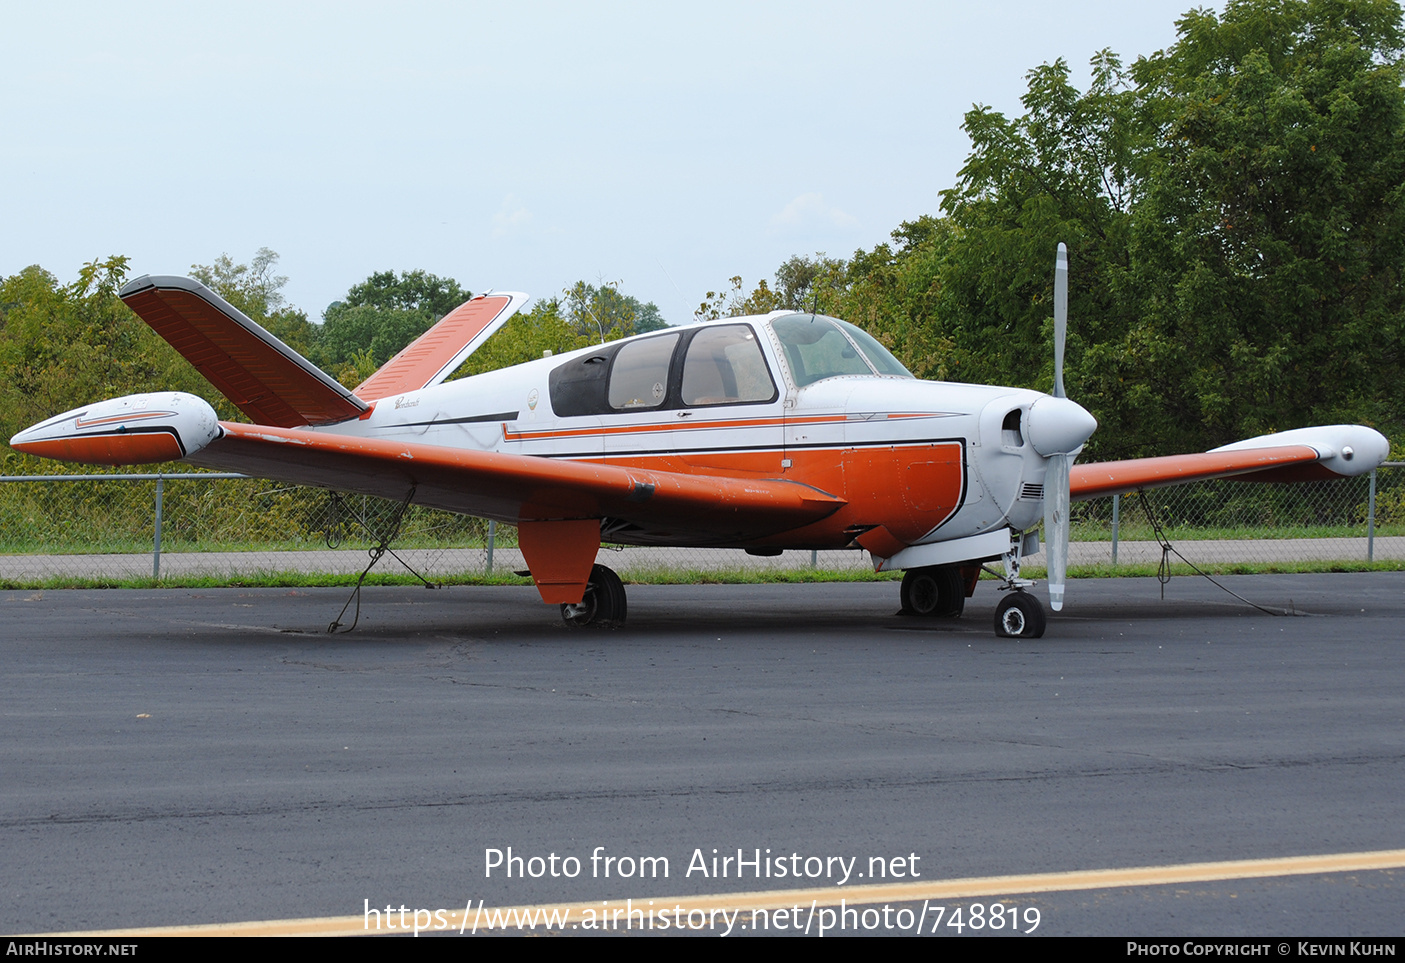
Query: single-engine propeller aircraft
point(788, 431)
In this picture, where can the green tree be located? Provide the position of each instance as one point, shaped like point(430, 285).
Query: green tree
point(1064, 171)
point(252, 288)
point(256, 290)
point(411, 291)
point(894, 291)
point(734, 302)
point(802, 284)
point(603, 312)
point(1271, 235)
point(1233, 210)
point(526, 336)
point(380, 316)
point(62, 346)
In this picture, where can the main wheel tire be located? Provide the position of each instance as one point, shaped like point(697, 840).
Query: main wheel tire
point(604, 604)
point(936, 591)
point(1019, 616)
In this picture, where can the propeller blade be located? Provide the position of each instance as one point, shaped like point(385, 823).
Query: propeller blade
point(1060, 318)
point(1056, 481)
point(1056, 507)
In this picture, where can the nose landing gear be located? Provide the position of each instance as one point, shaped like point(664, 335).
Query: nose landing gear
point(1019, 616)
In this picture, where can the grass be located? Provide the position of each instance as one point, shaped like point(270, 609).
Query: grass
point(141, 545)
point(250, 580)
point(668, 576)
point(1143, 533)
point(1107, 570)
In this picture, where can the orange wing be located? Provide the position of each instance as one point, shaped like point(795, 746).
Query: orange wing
point(1116, 477)
point(1302, 454)
point(519, 487)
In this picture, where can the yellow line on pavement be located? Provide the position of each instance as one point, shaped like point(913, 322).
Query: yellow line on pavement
point(907, 892)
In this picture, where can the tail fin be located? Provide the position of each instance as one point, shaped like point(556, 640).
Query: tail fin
point(266, 379)
point(434, 355)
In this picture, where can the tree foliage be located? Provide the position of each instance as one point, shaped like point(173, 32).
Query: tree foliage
point(1233, 211)
point(603, 313)
point(256, 290)
point(65, 345)
point(380, 316)
point(527, 336)
point(1269, 242)
point(801, 284)
point(411, 291)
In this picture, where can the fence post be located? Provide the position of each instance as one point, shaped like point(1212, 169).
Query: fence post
point(492, 536)
point(156, 541)
point(1116, 519)
point(1371, 521)
point(814, 558)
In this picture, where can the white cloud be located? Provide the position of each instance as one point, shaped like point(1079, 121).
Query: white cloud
point(512, 218)
point(807, 211)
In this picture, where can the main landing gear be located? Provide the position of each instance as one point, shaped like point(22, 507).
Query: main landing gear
point(937, 591)
point(604, 604)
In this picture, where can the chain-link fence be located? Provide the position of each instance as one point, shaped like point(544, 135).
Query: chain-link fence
point(217, 525)
point(1227, 521)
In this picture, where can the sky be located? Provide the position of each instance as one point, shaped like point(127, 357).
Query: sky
point(661, 147)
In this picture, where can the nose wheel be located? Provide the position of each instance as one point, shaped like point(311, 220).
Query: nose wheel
point(603, 606)
point(1019, 616)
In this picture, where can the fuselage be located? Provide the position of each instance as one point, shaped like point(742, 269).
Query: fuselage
point(883, 461)
point(790, 396)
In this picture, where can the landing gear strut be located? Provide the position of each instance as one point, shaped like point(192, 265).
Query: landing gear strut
point(937, 591)
point(604, 604)
point(1019, 614)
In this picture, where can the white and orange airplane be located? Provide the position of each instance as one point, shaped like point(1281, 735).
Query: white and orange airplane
point(788, 431)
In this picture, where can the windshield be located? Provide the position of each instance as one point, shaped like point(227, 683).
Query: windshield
point(818, 347)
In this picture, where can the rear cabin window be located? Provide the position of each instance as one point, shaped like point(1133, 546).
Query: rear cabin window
point(718, 365)
point(639, 378)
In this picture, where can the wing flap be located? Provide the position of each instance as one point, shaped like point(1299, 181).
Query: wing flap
point(434, 355)
point(517, 487)
point(266, 379)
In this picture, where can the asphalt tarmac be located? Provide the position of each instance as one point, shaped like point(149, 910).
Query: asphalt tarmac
point(203, 756)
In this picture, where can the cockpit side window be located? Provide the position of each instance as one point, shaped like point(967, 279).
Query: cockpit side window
point(724, 366)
